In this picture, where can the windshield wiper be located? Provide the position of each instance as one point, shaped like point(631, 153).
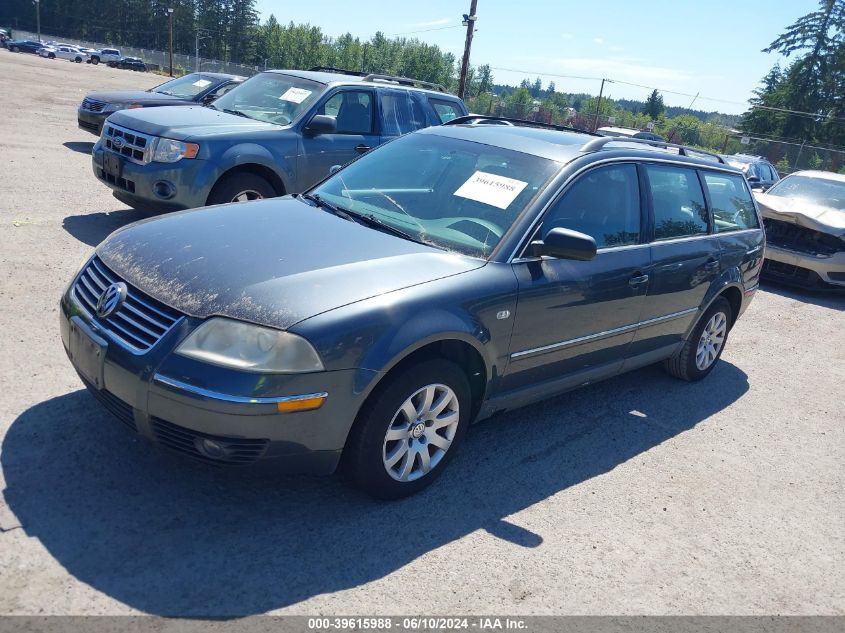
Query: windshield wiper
point(367, 219)
point(325, 204)
point(235, 112)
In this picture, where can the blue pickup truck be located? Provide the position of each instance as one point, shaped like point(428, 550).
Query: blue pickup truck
point(277, 133)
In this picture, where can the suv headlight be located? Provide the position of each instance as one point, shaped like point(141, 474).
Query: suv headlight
point(250, 347)
point(169, 151)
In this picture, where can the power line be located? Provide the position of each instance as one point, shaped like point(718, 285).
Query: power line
point(810, 115)
point(439, 28)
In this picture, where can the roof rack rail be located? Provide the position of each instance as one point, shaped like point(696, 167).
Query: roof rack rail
point(332, 69)
point(598, 143)
point(404, 81)
point(469, 118)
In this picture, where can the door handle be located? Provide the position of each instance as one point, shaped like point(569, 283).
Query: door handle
point(711, 265)
point(637, 280)
point(362, 149)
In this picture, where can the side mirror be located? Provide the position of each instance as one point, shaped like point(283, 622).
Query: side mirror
point(322, 124)
point(753, 179)
point(208, 98)
point(565, 244)
point(334, 169)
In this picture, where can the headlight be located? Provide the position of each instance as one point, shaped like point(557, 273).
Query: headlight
point(250, 348)
point(169, 151)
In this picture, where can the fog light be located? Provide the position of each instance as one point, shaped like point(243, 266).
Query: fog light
point(210, 448)
point(164, 190)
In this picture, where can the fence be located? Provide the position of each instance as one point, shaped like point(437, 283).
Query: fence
point(181, 63)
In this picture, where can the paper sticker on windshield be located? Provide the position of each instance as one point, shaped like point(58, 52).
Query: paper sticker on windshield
point(295, 95)
point(492, 189)
point(201, 83)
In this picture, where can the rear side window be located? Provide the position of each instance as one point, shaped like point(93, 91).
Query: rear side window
point(446, 110)
point(604, 204)
point(733, 208)
point(400, 114)
point(678, 202)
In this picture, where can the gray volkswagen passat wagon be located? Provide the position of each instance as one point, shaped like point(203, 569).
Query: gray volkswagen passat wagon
point(453, 273)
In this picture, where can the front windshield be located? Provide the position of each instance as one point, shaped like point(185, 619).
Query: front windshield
point(451, 193)
point(271, 97)
point(186, 87)
point(818, 191)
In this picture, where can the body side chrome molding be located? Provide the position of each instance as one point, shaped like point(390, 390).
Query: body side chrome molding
point(216, 395)
point(601, 335)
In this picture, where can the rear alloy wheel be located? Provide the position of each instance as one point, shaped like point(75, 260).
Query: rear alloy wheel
point(15, 49)
point(95, 60)
point(241, 187)
point(409, 430)
point(705, 344)
point(51, 55)
point(78, 60)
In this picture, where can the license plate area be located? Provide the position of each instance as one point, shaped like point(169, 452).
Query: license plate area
point(87, 351)
point(112, 164)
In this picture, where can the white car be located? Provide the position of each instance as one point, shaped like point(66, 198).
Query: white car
point(64, 52)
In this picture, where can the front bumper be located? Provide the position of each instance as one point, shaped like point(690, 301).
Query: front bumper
point(167, 186)
point(91, 121)
point(804, 269)
point(181, 404)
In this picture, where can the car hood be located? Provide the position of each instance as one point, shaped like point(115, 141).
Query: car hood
point(802, 213)
point(183, 122)
point(135, 96)
point(272, 262)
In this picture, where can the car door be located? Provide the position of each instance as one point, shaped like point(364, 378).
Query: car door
point(354, 112)
point(576, 316)
point(684, 252)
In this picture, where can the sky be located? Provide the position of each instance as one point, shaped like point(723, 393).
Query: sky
point(711, 48)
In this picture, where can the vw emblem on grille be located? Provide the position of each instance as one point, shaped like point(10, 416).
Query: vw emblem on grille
point(117, 143)
point(111, 299)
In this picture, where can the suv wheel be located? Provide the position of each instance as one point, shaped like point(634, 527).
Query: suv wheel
point(241, 188)
point(95, 60)
point(51, 55)
point(78, 60)
point(408, 432)
point(15, 49)
point(705, 344)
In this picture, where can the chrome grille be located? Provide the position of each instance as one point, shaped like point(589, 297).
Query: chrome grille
point(139, 323)
point(132, 145)
point(92, 105)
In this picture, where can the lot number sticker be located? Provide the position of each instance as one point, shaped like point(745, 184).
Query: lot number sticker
point(201, 83)
point(492, 189)
point(295, 95)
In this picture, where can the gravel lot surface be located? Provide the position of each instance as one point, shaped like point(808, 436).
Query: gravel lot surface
point(639, 495)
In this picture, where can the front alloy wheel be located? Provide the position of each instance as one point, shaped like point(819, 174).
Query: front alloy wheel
point(409, 429)
point(421, 432)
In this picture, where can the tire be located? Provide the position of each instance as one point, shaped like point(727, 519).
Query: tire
point(51, 56)
point(369, 451)
point(78, 60)
point(15, 49)
point(231, 187)
point(95, 60)
point(694, 361)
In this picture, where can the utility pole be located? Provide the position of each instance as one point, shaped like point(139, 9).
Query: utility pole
point(38, 16)
point(598, 105)
point(170, 17)
point(469, 22)
point(198, 50)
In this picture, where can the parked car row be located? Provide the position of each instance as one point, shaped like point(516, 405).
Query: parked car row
point(56, 50)
point(397, 269)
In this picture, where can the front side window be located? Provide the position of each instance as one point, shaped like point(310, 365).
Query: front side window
point(604, 204)
point(450, 193)
point(399, 113)
point(678, 202)
point(446, 110)
point(733, 208)
point(352, 110)
point(271, 97)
